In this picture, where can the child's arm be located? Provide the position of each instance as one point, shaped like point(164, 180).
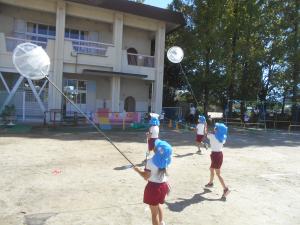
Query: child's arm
point(145, 174)
point(205, 129)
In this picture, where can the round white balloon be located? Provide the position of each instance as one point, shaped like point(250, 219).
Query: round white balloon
point(175, 54)
point(31, 61)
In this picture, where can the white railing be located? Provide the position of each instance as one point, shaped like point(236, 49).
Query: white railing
point(90, 47)
point(18, 38)
point(140, 60)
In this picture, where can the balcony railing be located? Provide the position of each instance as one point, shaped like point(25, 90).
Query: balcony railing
point(18, 38)
point(89, 47)
point(140, 60)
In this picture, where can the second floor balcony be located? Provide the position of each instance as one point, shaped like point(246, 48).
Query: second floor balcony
point(79, 53)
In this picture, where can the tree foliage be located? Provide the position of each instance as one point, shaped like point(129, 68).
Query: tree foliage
point(237, 49)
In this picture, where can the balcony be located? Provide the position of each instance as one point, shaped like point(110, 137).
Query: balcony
point(89, 47)
point(81, 54)
point(9, 42)
point(138, 64)
point(17, 38)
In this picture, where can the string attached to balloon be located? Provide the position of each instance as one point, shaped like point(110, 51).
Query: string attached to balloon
point(33, 63)
point(175, 55)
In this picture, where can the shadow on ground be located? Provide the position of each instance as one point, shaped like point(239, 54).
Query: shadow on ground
point(182, 203)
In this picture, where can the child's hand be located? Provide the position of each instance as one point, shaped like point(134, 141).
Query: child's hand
point(136, 169)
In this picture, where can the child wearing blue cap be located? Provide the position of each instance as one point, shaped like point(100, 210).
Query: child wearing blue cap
point(201, 131)
point(155, 173)
point(153, 133)
point(217, 140)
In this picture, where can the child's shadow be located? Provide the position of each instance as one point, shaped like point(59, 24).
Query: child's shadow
point(185, 155)
point(179, 206)
point(128, 166)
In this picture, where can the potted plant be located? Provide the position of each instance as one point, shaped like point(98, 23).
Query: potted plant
point(9, 114)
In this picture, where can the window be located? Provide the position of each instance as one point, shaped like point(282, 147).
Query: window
point(76, 34)
point(76, 90)
point(40, 33)
point(47, 31)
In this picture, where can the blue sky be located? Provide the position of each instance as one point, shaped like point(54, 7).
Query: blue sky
point(158, 3)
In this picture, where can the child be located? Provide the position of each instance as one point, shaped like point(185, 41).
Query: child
point(153, 133)
point(156, 175)
point(201, 130)
point(217, 140)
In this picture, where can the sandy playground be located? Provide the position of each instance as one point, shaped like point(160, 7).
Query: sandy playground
point(78, 178)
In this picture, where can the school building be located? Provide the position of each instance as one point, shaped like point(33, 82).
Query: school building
point(105, 54)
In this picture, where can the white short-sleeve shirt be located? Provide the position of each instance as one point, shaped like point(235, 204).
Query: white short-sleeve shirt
point(155, 177)
point(200, 128)
point(154, 131)
point(215, 145)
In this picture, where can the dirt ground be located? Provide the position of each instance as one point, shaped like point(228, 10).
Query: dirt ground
point(78, 178)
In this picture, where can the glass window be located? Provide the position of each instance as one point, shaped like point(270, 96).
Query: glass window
point(81, 85)
point(52, 31)
point(67, 33)
point(72, 83)
point(74, 34)
point(82, 98)
point(42, 29)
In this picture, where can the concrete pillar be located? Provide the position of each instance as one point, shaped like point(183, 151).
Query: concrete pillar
point(55, 98)
point(159, 65)
point(115, 94)
point(118, 41)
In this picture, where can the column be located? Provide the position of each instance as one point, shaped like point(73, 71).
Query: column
point(115, 94)
point(159, 65)
point(55, 98)
point(118, 41)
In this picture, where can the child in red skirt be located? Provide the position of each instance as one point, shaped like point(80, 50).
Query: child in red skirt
point(153, 133)
point(201, 131)
point(217, 140)
point(156, 175)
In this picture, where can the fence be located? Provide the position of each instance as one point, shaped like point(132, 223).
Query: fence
point(27, 107)
point(89, 47)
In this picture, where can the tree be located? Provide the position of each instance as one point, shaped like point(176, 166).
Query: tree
point(232, 45)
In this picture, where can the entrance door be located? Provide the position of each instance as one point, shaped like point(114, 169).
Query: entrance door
point(129, 105)
point(76, 90)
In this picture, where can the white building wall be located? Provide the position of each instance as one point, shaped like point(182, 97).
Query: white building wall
point(104, 29)
point(138, 39)
point(137, 33)
point(138, 89)
point(9, 14)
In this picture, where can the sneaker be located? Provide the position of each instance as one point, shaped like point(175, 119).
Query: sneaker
point(209, 185)
point(225, 192)
point(162, 223)
point(199, 152)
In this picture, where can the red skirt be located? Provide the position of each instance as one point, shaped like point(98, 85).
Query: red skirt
point(155, 193)
point(199, 138)
point(216, 160)
point(151, 142)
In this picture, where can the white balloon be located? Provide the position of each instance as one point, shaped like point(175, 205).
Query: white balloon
point(31, 61)
point(175, 54)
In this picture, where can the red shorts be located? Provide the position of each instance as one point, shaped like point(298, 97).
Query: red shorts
point(199, 138)
point(216, 160)
point(155, 193)
point(151, 142)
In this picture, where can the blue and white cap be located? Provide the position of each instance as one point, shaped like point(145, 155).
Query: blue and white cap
point(163, 153)
point(154, 121)
point(201, 119)
point(221, 132)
